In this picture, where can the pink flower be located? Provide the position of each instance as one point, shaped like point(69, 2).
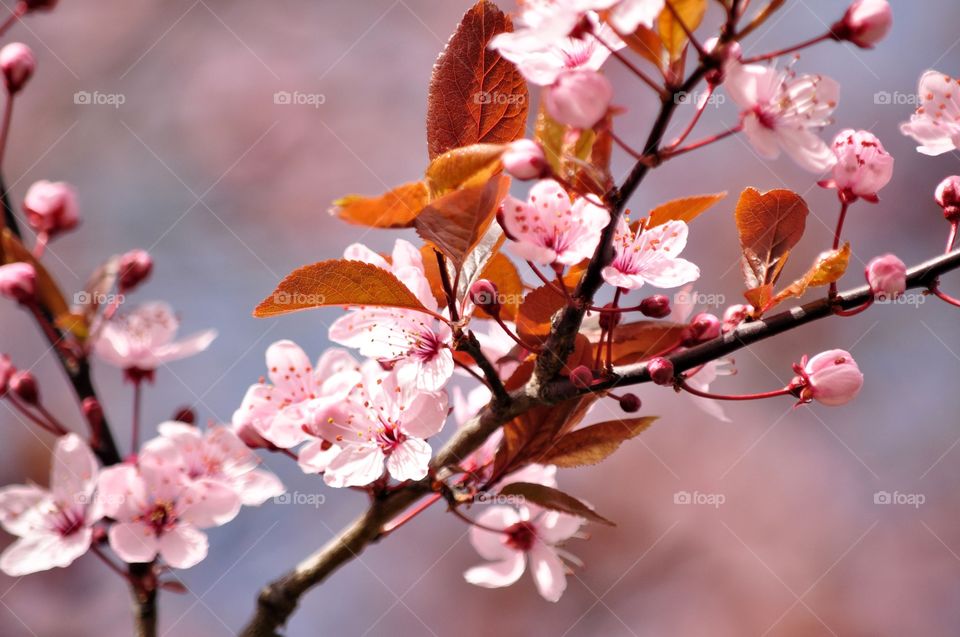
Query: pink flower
point(525, 159)
point(865, 23)
point(18, 282)
point(298, 395)
point(143, 340)
point(54, 526)
point(526, 535)
point(831, 377)
point(547, 23)
point(887, 276)
point(936, 124)
point(548, 229)
point(579, 98)
point(17, 64)
point(158, 510)
point(51, 207)
point(650, 256)
point(947, 197)
point(133, 268)
point(415, 344)
point(543, 62)
point(781, 111)
point(220, 455)
point(627, 15)
point(863, 166)
point(383, 421)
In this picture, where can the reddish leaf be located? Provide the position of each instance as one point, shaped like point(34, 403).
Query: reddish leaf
point(475, 95)
point(684, 209)
point(553, 499)
point(472, 165)
point(535, 315)
point(502, 273)
point(770, 225)
point(672, 33)
point(337, 282)
point(395, 209)
point(593, 444)
point(639, 341)
point(646, 43)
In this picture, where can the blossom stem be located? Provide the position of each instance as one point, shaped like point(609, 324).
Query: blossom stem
point(952, 237)
point(682, 384)
point(46, 426)
point(447, 288)
point(457, 513)
point(854, 311)
point(669, 154)
point(943, 296)
point(560, 289)
point(396, 523)
point(53, 420)
point(96, 550)
point(844, 206)
point(646, 79)
point(791, 49)
point(16, 13)
point(515, 337)
point(627, 148)
point(5, 125)
point(615, 303)
point(693, 121)
point(470, 371)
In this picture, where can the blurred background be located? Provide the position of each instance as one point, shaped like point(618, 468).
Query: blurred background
point(229, 191)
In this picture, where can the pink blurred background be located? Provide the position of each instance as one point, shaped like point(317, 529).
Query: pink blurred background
point(229, 191)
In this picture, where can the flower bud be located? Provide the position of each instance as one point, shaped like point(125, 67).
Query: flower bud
point(485, 295)
point(251, 437)
point(660, 370)
point(134, 268)
point(185, 415)
point(18, 281)
point(524, 159)
point(887, 276)
point(579, 98)
point(863, 166)
point(948, 197)
point(40, 5)
point(51, 207)
point(17, 63)
point(733, 316)
point(581, 377)
point(609, 320)
point(6, 371)
point(865, 23)
point(629, 403)
point(656, 306)
point(24, 386)
point(93, 412)
point(831, 378)
point(703, 327)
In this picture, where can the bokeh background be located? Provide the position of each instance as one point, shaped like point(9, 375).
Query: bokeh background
point(229, 192)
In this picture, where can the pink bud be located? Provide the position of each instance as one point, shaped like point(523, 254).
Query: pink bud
point(251, 437)
point(660, 370)
point(17, 63)
point(40, 5)
point(579, 98)
point(863, 166)
point(485, 295)
point(609, 320)
point(24, 386)
point(630, 403)
point(733, 316)
point(581, 377)
point(656, 306)
point(6, 371)
point(948, 197)
point(832, 378)
point(18, 281)
point(865, 23)
point(524, 159)
point(703, 327)
point(185, 415)
point(134, 268)
point(887, 276)
point(93, 412)
point(51, 207)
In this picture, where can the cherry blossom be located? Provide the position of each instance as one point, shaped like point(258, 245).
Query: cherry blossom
point(298, 394)
point(528, 534)
point(548, 229)
point(887, 276)
point(865, 23)
point(220, 455)
point(51, 207)
point(579, 98)
point(143, 340)
point(54, 526)
point(782, 111)
point(831, 378)
point(936, 124)
point(415, 344)
point(525, 159)
point(384, 421)
point(863, 166)
point(650, 256)
point(158, 510)
point(18, 282)
point(627, 15)
point(17, 65)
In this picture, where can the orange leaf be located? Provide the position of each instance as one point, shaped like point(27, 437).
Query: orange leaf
point(647, 44)
point(593, 444)
point(639, 341)
point(827, 269)
point(395, 209)
point(463, 167)
point(553, 499)
point(337, 282)
point(456, 222)
point(671, 31)
point(535, 315)
point(685, 209)
point(475, 95)
point(501, 272)
point(769, 225)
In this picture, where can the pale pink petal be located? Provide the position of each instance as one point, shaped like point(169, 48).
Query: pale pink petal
point(193, 344)
point(360, 252)
point(258, 486)
point(44, 551)
point(121, 493)
point(316, 456)
point(409, 460)
point(763, 139)
point(554, 527)
point(807, 149)
point(133, 542)
point(355, 466)
point(18, 504)
point(425, 415)
point(548, 572)
point(497, 574)
point(74, 470)
point(490, 545)
point(183, 546)
point(290, 369)
point(206, 503)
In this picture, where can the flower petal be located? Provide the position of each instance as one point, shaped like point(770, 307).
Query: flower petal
point(133, 542)
point(183, 546)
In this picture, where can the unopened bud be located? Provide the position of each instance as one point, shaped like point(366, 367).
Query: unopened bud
point(865, 23)
point(6, 371)
point(93, 412)
point(660, 370)
point(887, 276)
point(629, 403)
point(702, 328)
point(656, 306)
point(524, 159)
point(24, 386)
point(185, 415)
point(485, 295)
point(40, 5)
point(581, 377)
point(134, 268)
point(609, 320)
point(17, 64)
point(51, 207)
point(18, 281)
point(948, 198)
